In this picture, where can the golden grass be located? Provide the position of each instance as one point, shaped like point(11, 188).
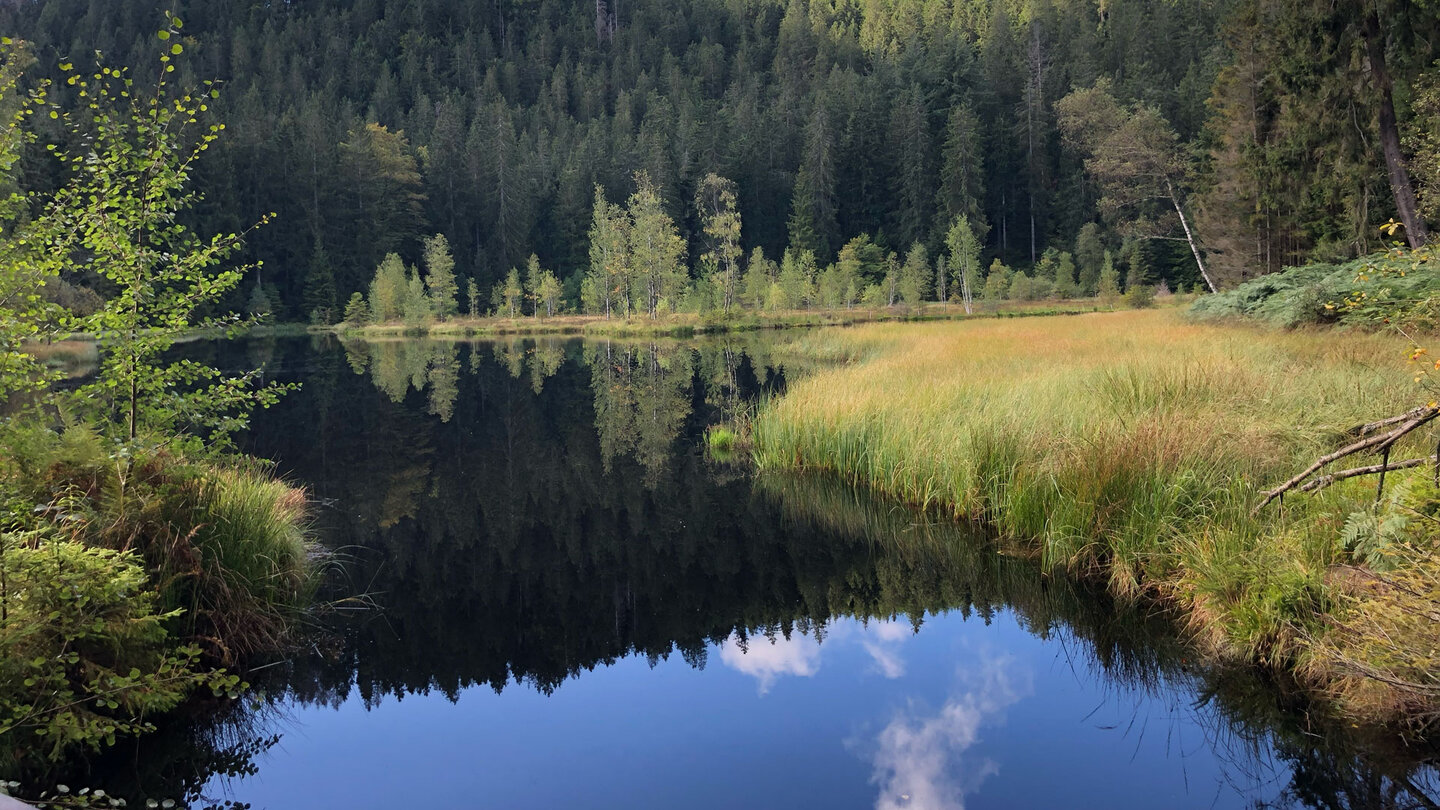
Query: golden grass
point(685, 324)
point(1126, 445)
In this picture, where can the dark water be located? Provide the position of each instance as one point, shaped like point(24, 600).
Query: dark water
point(568, 603)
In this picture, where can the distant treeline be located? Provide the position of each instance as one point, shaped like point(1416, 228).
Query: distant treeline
point(371, 125)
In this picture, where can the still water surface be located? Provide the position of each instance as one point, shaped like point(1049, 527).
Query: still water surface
point(574, 605)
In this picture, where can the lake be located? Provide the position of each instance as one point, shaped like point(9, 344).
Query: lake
point(548, 591)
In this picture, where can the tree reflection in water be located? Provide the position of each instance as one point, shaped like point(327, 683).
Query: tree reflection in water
point(527, 511)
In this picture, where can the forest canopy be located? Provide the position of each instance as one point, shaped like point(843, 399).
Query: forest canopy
point(370, 126)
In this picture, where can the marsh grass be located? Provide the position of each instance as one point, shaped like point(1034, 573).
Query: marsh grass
point(225, 541)
point(1124, 446)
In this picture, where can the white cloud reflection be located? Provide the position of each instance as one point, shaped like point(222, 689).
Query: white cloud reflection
point(921, 762)
point(882, 640)
point(766, 659)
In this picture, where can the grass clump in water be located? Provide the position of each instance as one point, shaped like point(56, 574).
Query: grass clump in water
point(1124, 446)
point(128, 574)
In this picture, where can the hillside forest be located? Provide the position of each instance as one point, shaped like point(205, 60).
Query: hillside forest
point(1166, 140)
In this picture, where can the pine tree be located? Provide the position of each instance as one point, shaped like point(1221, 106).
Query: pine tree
point(1065, 284)
point(357, 312)
point(1090, 256)
point(812, 223)
point(962, 167)
point(418, 309)
point(258, 305)
point(319, 299)
point(1138, 292)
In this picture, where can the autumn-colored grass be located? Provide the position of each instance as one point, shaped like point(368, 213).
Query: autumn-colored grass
point(1128, 446)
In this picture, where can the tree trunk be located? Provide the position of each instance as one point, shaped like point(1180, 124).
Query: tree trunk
point(1190, 237)
point(1415, 232)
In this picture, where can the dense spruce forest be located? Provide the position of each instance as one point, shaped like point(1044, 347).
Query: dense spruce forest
point(1285, 126)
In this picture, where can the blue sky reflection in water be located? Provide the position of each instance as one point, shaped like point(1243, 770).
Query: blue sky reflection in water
point(581, 608)
point(960, 715)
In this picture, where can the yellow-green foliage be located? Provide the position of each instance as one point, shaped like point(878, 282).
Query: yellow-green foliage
point(1128, 445)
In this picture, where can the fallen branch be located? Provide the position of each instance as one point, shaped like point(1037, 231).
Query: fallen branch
point(1326, 480)
point(1370, 427)
point(1379, 443)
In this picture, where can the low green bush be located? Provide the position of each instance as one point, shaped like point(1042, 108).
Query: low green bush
point(1397, 286)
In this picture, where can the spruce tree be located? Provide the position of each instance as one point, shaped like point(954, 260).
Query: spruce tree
point(418, 308)
point(320, 301)
point(357, 312)
point(1138, 292)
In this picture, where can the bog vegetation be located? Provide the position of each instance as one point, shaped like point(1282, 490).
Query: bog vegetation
point(1133, 447)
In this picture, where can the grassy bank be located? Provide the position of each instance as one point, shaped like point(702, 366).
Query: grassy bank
point(129, 575)
point(1131, 447)
point(687, 324)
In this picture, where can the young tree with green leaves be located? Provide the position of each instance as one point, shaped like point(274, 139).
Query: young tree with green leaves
point(27, 263)
point(120, 218)
point(964, 245)
point(1108, 284)
point(716, 203)
point(760, 273)
point(532, 284)
point(796, 282)
point(440, 276)
point(997, 282)
point(656, 248)
point(914, 285)
point(610, 266)
point(509, 294)
point(548, 293)
point(472, 297)
point(387, 290)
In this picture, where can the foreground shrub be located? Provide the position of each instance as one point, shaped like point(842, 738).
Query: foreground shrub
point(128, 572)
point(84, 654)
